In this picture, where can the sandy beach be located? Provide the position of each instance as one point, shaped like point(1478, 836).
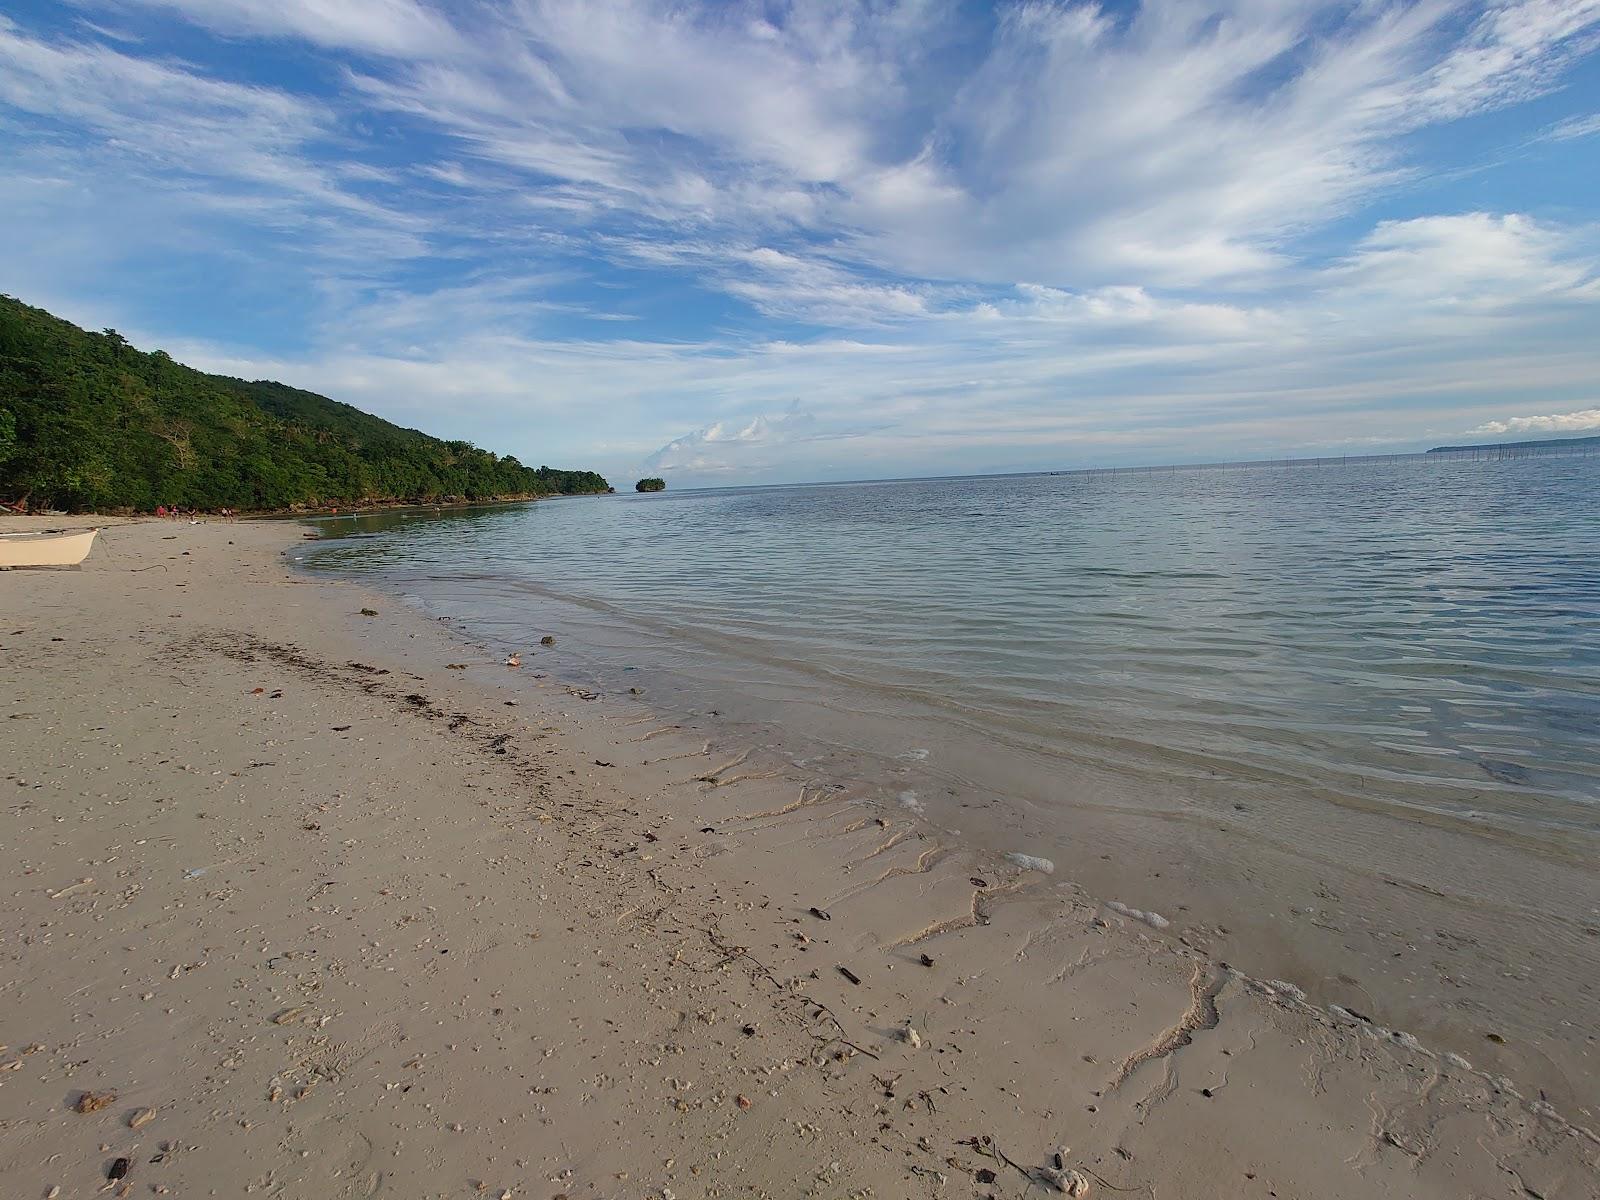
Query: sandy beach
point(311, 901)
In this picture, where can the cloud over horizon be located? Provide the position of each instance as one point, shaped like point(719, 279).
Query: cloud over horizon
point(782, 241)
point(1572, 422)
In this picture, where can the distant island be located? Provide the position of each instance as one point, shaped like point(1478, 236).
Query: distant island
point(1536, 446)
point(88, 423)
point(652, 484)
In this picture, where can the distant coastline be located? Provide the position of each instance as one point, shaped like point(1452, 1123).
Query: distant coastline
point(1523, 449)
point(1535, 446)
point(1549, 447)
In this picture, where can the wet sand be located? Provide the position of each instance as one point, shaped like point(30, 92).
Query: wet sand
point(354, 922)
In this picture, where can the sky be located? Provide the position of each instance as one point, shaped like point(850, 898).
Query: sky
point(773, 242)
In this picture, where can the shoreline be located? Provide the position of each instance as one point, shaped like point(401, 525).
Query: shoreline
point(1477, 944)
point(389, 928)
point(400, 506)
point(357, 509)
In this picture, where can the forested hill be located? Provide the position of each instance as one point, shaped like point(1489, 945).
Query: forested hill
point(88, 422)
point(1566, 445)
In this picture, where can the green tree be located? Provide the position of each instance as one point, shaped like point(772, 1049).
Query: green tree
point(83, 428)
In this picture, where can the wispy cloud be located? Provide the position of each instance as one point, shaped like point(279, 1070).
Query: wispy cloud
point(1033, 376)
point(390, 27)
point(1572, 129)
point(1471, 262)
point(165, 127)
point(1183, 145)
point(619, 228)
point(745, 447)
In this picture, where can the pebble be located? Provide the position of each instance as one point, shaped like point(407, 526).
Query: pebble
point(1068, 1182)
point(94, 1101)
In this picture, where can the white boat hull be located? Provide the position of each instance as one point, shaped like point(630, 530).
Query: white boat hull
point(46, 549)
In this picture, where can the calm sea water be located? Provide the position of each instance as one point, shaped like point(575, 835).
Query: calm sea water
point(1427, 631)
point(1341, 723)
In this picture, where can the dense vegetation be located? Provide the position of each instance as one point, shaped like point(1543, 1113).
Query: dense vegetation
point(650, 485)
point(88, 422)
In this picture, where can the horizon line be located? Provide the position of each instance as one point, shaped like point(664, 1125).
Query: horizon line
point(1436, 454)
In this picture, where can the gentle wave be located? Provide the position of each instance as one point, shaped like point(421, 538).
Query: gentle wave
point(1426, 634)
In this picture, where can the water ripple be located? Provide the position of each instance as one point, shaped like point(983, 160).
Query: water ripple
point(1408, 622)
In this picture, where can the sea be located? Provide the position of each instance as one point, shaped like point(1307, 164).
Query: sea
point(1338, 719)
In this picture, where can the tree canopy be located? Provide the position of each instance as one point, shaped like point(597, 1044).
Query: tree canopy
point(652, 484)
point(88, 422)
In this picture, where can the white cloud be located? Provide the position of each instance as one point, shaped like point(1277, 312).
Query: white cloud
point(1072, 229)
point(1129, 309)
point(1191, 143)
point(790, 285)
point(1183, 146)
point(1187, 144)
point(1572, 129)
point(1477, 261)
point(239, 150)
point(1033, 377)
point(1513, 51)
point(393, 27)
point(106, 90)
point(746, 446)
point(1572, 422)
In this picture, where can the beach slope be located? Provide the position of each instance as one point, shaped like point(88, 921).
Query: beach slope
point(310, 901)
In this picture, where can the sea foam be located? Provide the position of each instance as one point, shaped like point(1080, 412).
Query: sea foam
point(1153, 919)
point(1029, 862)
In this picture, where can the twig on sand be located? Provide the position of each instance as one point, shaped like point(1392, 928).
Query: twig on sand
point(1107, 1184)
point(733, 952)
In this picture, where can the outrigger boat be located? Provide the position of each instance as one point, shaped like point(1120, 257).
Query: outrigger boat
point(57, 549)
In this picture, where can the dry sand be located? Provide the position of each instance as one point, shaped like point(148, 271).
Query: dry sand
point(327, 917)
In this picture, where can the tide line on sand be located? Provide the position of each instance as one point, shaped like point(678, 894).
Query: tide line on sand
point(442, 940)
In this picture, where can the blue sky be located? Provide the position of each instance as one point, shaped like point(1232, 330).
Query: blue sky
point(766, 241)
